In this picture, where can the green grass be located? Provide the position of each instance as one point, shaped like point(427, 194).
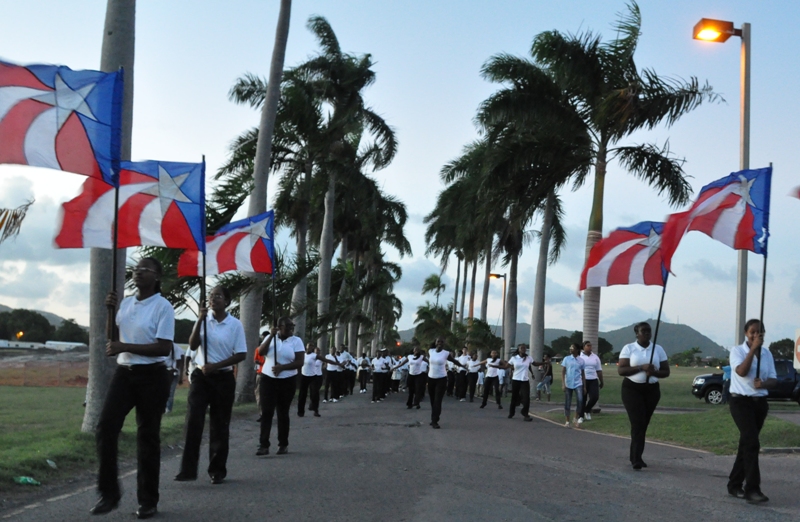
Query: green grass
point(37, 424)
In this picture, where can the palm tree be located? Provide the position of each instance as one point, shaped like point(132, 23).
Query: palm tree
point(433, 284)
point(616, 99)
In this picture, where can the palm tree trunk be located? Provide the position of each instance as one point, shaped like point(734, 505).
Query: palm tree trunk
point(472, 291)
point(591, 296)
point(362, 329)
point(463, 293)
point(119, 35)
point(326, 255)
point(486, 281)
point(341, 326)
point(455, 299)
point(510, 323)
point(300, 292)
point(251, 303)
point(352, 331)
point(537, 316)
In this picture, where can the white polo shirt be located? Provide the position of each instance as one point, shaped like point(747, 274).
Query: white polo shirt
point(317, 366)
point(492, 367)
point(286, 354)
point(381, 364)
point(438, 363)
point(415, 364)
point(521, 366)
point(225, 338)
point(332, 367)
point(591, 365)
point(744, 385)
point(474, 366)
point(640, 356)
point(463, 359)
point(175, 356)
point(309, 365)
point(144, 322)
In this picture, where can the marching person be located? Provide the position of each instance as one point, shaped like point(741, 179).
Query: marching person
point(749, 408)
point(640, 388)
point(473, 367)
point(349, 370)
point(284, 354)
point(363, 372)
point(438, 358)
point(176, 364)
point(461, 375)
point(308, 379)
point(146, 325)
point(547, 378)
point(334, 376)
point(573, 383)
point(593, 372)
point(520, 364)
point(415, 384)
point(258, 363)
point(491, 382)
point(213, 386)
point(380, 374)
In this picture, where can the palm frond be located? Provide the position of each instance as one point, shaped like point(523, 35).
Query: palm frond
point(658, 168)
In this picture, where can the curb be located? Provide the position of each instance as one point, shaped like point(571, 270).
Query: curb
point(778, 451)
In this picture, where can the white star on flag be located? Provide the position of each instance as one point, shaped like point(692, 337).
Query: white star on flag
point(258, 231)
point(653, 241)
point(66, 100)
point(168, 189)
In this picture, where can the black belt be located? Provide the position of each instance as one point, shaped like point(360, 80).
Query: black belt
point(142, 367)
point(740, 396)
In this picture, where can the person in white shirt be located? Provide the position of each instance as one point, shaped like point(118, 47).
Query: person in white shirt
point(308, 377)
point(438, 358)
point(146, 324)
point(640, 388)
point(593, 370)
point(520, 364)
point(380, 375)
point(749, 408)
point(334, 371)
point(284, 353)
point(573, 383)
point(364, 365)
point(349, 370)
point(415, 383)
point(473, 367)
point(213, 386)
point(461, 375)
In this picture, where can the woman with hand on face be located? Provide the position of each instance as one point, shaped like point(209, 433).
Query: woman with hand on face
point(438, 358)
point(640, 388)
point(146, 325)
point(749, 408)
point(284, 353)
point(213, 386)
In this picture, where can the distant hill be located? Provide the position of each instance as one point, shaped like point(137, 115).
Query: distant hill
point(53, 319)
point(675, 338)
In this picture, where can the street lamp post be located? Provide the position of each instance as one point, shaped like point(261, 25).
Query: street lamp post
point(503, 327)
point(719, 31)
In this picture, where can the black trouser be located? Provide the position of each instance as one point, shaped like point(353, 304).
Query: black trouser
point(520, 394)
point(214, 392)
point(640, 400)
point(591, 395)
point(316, 384)
point(436, 389)
point(276, 394)
point(350, 381)
point(395, 385)
point(332, 384)
point(387, 381)
point(749, 414)
point(416, 389)
point(146, 388)
point(461, 385)
point(490, 385)
point(377, 385)
point(422, 383)
point(363, 378)
point(472, 383)
point(305, 384)
point(451, 382)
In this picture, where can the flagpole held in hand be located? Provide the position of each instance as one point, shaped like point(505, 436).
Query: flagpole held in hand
point(658, 323)
point(763, 293)
point(111, 324)
point(203, 301)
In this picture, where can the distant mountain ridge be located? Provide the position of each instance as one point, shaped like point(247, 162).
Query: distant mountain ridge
point(674, 338)
point(53, 319)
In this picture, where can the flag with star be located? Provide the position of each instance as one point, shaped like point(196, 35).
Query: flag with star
point(733, 210)
point(246, 245)
point(627, 256)
point(161, 203)
point(57, 118)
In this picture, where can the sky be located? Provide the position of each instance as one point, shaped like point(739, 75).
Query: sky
point(428, 57)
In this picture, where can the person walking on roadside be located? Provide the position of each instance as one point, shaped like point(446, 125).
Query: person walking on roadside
point(749, 408)
point(349, 370)
point(285, 354)
point(146, 324)
point(213, 386)
point(573, 383)
point(308, 378)
point(473, 368)
point(414, 383)
point(491, 382)
point(593, 371)
point(547, 378)
point(438, 358)
point(176, 364)
point(258, 361)
point(640, 388)
point(520, 364)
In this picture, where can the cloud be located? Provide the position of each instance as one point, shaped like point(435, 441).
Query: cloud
point(705, 270)
point(794, 292)
point(28, 284)
point(623, 317)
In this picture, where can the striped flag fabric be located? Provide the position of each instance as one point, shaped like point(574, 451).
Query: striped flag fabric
point(161, 203)
point(629, 255)
point(246, 245)
point(733, 210)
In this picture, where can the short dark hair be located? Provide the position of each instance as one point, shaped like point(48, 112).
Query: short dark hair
point(284, 320)
point(639, 326)
point(225, 293)
point(586, 342)
point(751, 322)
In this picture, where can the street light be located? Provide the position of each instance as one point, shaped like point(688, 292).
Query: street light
point(710, 30)
point(19, 335)
point(503, 327)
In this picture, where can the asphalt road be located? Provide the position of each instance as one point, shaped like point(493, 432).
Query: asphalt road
point(363, 461)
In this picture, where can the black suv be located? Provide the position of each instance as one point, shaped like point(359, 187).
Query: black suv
point(709, 385)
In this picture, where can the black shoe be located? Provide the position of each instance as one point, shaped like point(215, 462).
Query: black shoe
point(146, 512)
point(417, 406)
point(408, 407)
point(755, 497)
point(499, 406)
point(637, 466)
point(184, 477)
point(316, 414)
point(258, 419)
point(262, 452)
point(217, 479)
point(435, 425)
point(737, 492)
point(300, 414)
point(643, 463)
point(104, 505)
point(528, 419)
point(483, 406)
point(283, 450)
point(510, 415)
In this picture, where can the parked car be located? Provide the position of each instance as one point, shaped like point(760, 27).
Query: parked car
point(709, 386)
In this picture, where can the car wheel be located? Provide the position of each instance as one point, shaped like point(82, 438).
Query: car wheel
point(714, 396)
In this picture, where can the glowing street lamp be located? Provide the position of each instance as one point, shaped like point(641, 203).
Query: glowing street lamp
point(503, 327)
point(20, 334)
point(711, 30)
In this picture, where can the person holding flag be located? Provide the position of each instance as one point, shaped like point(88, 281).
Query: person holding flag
point(749, 408)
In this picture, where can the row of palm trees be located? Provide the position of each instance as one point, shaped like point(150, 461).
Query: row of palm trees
point(558, 114)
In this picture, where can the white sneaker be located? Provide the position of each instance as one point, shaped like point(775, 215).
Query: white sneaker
point(462, 400)
point(588, 416)
point(567, 424)
point(324, 401)
point(334, 400)
point(580, 421)
point(373, 402)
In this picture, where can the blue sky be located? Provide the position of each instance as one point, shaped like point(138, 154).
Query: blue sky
point(428, 57)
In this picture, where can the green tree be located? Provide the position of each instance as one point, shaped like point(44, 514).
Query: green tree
point(782, 349)
point(616, 99)
point(70, 331)
point(688, 357)
point(560, 345)
point(433, 284)
point(35, 328)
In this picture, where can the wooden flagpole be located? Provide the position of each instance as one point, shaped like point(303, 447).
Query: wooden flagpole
point(763, 294)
